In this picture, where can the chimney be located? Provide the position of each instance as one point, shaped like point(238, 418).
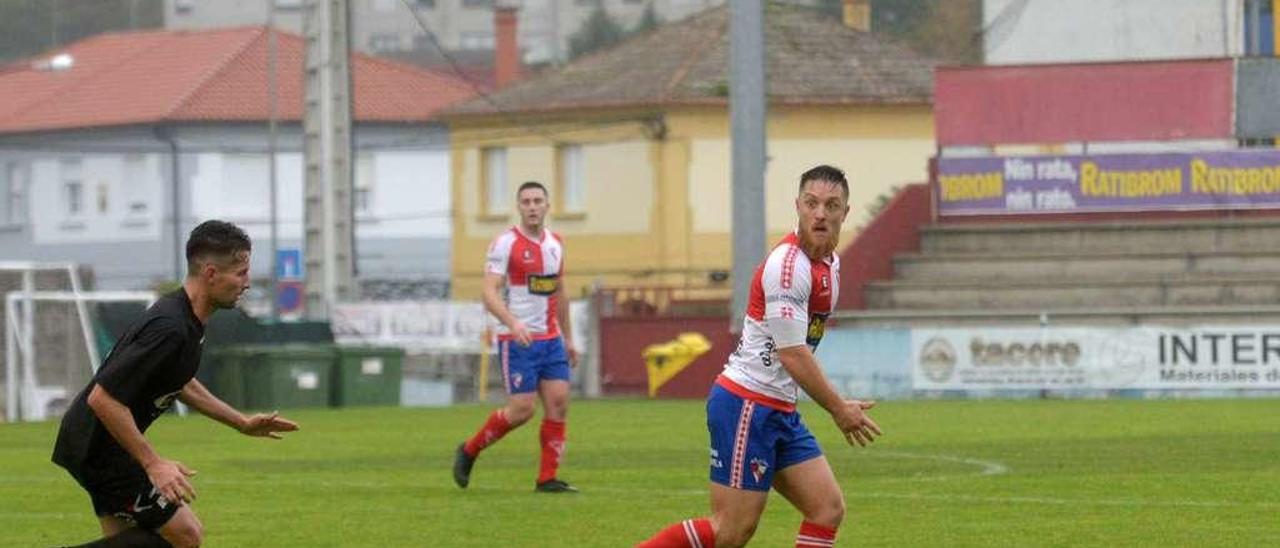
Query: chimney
point(506, 52)
point(857, 14)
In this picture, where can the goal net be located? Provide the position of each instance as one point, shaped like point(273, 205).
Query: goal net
point(56, 334)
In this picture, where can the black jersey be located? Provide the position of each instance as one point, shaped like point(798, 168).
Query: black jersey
point(150, 364)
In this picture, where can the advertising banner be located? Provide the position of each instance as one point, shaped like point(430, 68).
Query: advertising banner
point(1211, 357)
point(438, 326)
point(1237, 179)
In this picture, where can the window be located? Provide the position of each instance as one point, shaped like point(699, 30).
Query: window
point(72, 186)
point(104, 203)
point(183, 6)
point(13, 192)
point(475, 40)
point(362, 199)
point(384, 42)
point(478, 4)
point(245, 189)
point(1259, 28)
point(497, 195)
point(135, 184)
point(573, 184)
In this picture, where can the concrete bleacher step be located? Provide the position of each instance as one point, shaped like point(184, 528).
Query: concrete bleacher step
point(1189, 315)
point(1188, 235)
point(1058, 266)
point(1064, 292)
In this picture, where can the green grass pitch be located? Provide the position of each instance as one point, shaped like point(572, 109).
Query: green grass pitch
point(946, 473)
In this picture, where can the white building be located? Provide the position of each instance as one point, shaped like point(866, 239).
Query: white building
point(383, 26)
point(99, 149)
point(1061, 31)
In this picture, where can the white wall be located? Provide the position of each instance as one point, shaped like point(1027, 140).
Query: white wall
point(410, 193)
point(122, 198)
point(1053, 31)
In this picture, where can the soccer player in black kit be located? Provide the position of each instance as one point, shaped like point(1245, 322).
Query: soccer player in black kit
point(141, 498)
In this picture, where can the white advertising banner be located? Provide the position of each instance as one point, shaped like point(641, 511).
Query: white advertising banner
point(429, 325)
point(1149, 357)
point(434, 325)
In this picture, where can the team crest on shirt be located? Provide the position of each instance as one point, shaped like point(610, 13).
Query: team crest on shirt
point(826, 286)
point(517, 378)
point(758, 468)
point(527, 256)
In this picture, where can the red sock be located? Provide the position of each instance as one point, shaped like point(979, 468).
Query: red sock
point(492, 431)
point(690, 533)
point(813, 535)
point(552, 435)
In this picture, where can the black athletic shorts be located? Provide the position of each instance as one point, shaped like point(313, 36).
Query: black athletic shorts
point(128, 494)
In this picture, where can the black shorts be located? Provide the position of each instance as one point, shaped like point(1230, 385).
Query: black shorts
point(127, 494)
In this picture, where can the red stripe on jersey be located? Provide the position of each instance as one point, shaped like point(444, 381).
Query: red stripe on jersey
point(821, 290)
point(789, 267)
point(525, 259)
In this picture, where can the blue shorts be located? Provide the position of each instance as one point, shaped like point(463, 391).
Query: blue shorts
point(750, 441)
point(524, 366)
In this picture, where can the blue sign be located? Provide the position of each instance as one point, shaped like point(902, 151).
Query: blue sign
point(289, 264)
point(289, 297)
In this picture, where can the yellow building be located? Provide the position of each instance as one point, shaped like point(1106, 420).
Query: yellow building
point(633, 144)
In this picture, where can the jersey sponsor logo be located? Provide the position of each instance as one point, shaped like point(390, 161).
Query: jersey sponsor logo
point(543, 285)
point(817, 328)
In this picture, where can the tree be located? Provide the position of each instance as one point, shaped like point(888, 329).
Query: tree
point(945, 29)
point(649, 20)
point(28, 27)
point(598, 31)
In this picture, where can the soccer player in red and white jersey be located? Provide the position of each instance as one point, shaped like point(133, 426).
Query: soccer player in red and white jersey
point(535, 343)
point(758, 440)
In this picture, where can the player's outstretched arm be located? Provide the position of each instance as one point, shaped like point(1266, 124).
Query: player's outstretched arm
point(849, 415)
point(261, 425)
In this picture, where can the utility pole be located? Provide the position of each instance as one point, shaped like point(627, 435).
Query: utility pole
point(328, 220)
point(747, 122)
point(272, 113)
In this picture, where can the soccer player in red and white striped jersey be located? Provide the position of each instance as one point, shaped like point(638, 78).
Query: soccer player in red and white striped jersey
point(758, 440)
point(534, 341)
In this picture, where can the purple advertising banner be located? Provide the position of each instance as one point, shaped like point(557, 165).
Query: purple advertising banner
point(1238, 179)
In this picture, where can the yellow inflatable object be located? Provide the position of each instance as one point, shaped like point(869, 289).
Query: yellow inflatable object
point(665, 360)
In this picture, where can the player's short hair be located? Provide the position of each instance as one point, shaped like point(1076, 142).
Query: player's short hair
point(830, 174)
point(531, 184)
point(216, 240)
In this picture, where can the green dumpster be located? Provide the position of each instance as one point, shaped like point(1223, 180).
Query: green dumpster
point(366, 375)
point(227, 380)
point(287, 376)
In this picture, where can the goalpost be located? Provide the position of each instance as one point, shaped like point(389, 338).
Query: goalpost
point(65, 330)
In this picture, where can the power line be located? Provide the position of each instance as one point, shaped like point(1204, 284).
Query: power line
point(507, 115)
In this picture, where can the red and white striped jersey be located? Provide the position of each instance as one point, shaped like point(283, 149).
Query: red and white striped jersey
point(532, 269)
point(791, 297)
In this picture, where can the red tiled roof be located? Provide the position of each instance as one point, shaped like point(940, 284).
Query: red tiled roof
point(201, 76)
